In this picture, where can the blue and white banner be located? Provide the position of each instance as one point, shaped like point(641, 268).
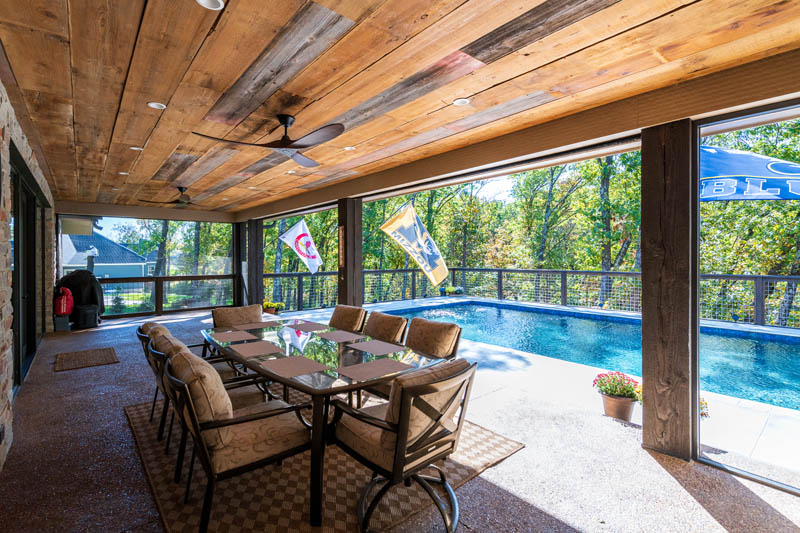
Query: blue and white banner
point(409, 232)
point(727, 174)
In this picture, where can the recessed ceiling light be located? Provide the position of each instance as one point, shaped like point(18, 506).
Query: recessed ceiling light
point(461, 101)
point(115, 189)
point(156, 105)
point(252, 188)
point(291, 172)
point(136, 148)
point(224, 197)
point(213, 5)
point(124, 173)
point(349, 148)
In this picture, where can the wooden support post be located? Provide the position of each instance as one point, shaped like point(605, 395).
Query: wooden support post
point(350, 286)
point(255, 261)
point(159, 296)
point(669, 287)
point(239, 246)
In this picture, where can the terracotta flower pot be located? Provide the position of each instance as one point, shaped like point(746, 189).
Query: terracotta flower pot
point(618, 407)
point(271, 310)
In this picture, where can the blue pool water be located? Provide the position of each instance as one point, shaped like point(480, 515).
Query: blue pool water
point(764, 369)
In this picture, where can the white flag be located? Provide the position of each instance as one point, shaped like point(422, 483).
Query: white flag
point(295, 337)
point(298, 238)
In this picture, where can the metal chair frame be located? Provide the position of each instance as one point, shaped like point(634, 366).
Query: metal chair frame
point(435, 443)
point(184, 406)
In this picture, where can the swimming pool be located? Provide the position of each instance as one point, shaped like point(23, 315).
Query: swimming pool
point(764, 369)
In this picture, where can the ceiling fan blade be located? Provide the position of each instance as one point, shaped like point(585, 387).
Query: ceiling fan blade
point(303, 160)
point(324, 134)
point(162, 203)
point(227, 141)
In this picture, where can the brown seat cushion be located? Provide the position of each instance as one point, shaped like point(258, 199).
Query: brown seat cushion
point(372, 443)
point(156, 331)
point(348, 318)
point(419, 421)
point(232, 316)
point(432, 338)
point(168, 345)
point(252, 441)
point(388, 328)
point(209, 397)
point(147, 326)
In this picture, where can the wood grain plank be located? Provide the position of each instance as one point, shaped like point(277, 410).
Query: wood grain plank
point(40, 60)
point(45, 15)
point(210, 161)
point(310, 32)
point(174, 166)
point(668, 251)
point(100, 57)
point(533, 25)
point(170, 35)
point(52, 116)
point(263, 164)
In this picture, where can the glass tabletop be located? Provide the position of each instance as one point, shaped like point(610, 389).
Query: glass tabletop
point(292, 341)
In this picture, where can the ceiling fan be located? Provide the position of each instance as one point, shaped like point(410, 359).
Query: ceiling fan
point(290, 148)
point(183, 199)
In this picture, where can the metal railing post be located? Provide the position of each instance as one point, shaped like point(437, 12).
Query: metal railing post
point(299, 292)
point(499, 284)
point(413, 285)
point(758, 302)
point(159, 296)
point(453, 279)
point(563, 287)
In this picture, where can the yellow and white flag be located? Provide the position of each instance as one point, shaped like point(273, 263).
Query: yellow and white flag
point(408, 231)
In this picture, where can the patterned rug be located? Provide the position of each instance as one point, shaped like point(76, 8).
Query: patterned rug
point(275, 498)
point(84, 358)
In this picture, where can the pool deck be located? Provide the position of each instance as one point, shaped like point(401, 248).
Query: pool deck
point(740, 432)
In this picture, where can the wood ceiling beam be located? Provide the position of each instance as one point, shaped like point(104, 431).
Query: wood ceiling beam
point(66, 207)
point(769, 78)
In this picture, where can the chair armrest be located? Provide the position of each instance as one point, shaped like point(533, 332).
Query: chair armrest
point(198, 345)
point(342, 407)
point(254, 416)
point(243, 381)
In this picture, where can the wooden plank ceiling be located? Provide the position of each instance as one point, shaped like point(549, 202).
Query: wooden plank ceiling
point(388, 70)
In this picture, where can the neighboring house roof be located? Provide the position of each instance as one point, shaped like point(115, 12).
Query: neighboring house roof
point(108, 251)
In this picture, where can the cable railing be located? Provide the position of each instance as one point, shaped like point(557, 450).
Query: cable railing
point(760, 300)
point(160, 294)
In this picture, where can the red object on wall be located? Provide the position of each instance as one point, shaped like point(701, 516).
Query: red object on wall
point(64, 302)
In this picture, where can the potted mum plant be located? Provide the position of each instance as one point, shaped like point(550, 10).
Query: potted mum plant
point(619, 392)
point(273, 308)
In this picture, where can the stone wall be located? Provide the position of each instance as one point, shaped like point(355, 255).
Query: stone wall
point(10, 131)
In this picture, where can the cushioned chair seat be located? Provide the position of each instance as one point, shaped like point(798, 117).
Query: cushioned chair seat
point(433, 338)
point(348, 318)
point(365, 439)
point(388, 328)
point(259, 439)
point(232, 316)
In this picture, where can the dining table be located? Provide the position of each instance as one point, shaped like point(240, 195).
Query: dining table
point(317, 360)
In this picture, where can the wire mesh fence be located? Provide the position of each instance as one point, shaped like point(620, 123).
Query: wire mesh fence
point(129, 297)
point(198, 293)
point(605, 291)
point(302, 290)
point(728, 299)
point(781, 305)
point(534, 287)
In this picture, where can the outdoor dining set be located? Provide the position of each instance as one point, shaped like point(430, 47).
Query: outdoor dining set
point(390, 394)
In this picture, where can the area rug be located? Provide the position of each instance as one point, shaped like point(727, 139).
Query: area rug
point(275, 498)
point(84, 358)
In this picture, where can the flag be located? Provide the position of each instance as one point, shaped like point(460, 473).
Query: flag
point(727, 174)
point(298, 238)
point(295, 337)
point(408, 231)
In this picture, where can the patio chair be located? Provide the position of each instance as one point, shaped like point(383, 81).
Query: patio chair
point(419, 426)
point(388, 328)
point(348, 318)
point(228, 442)
point(223, 317)
point(439, 339)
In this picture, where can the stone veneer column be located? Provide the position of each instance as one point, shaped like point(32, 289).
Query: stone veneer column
point(11, 131)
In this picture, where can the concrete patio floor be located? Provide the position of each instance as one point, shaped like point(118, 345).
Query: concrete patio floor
point(73, 465)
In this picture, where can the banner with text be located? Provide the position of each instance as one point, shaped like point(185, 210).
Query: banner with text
point(408, 231)
point(727, 174)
